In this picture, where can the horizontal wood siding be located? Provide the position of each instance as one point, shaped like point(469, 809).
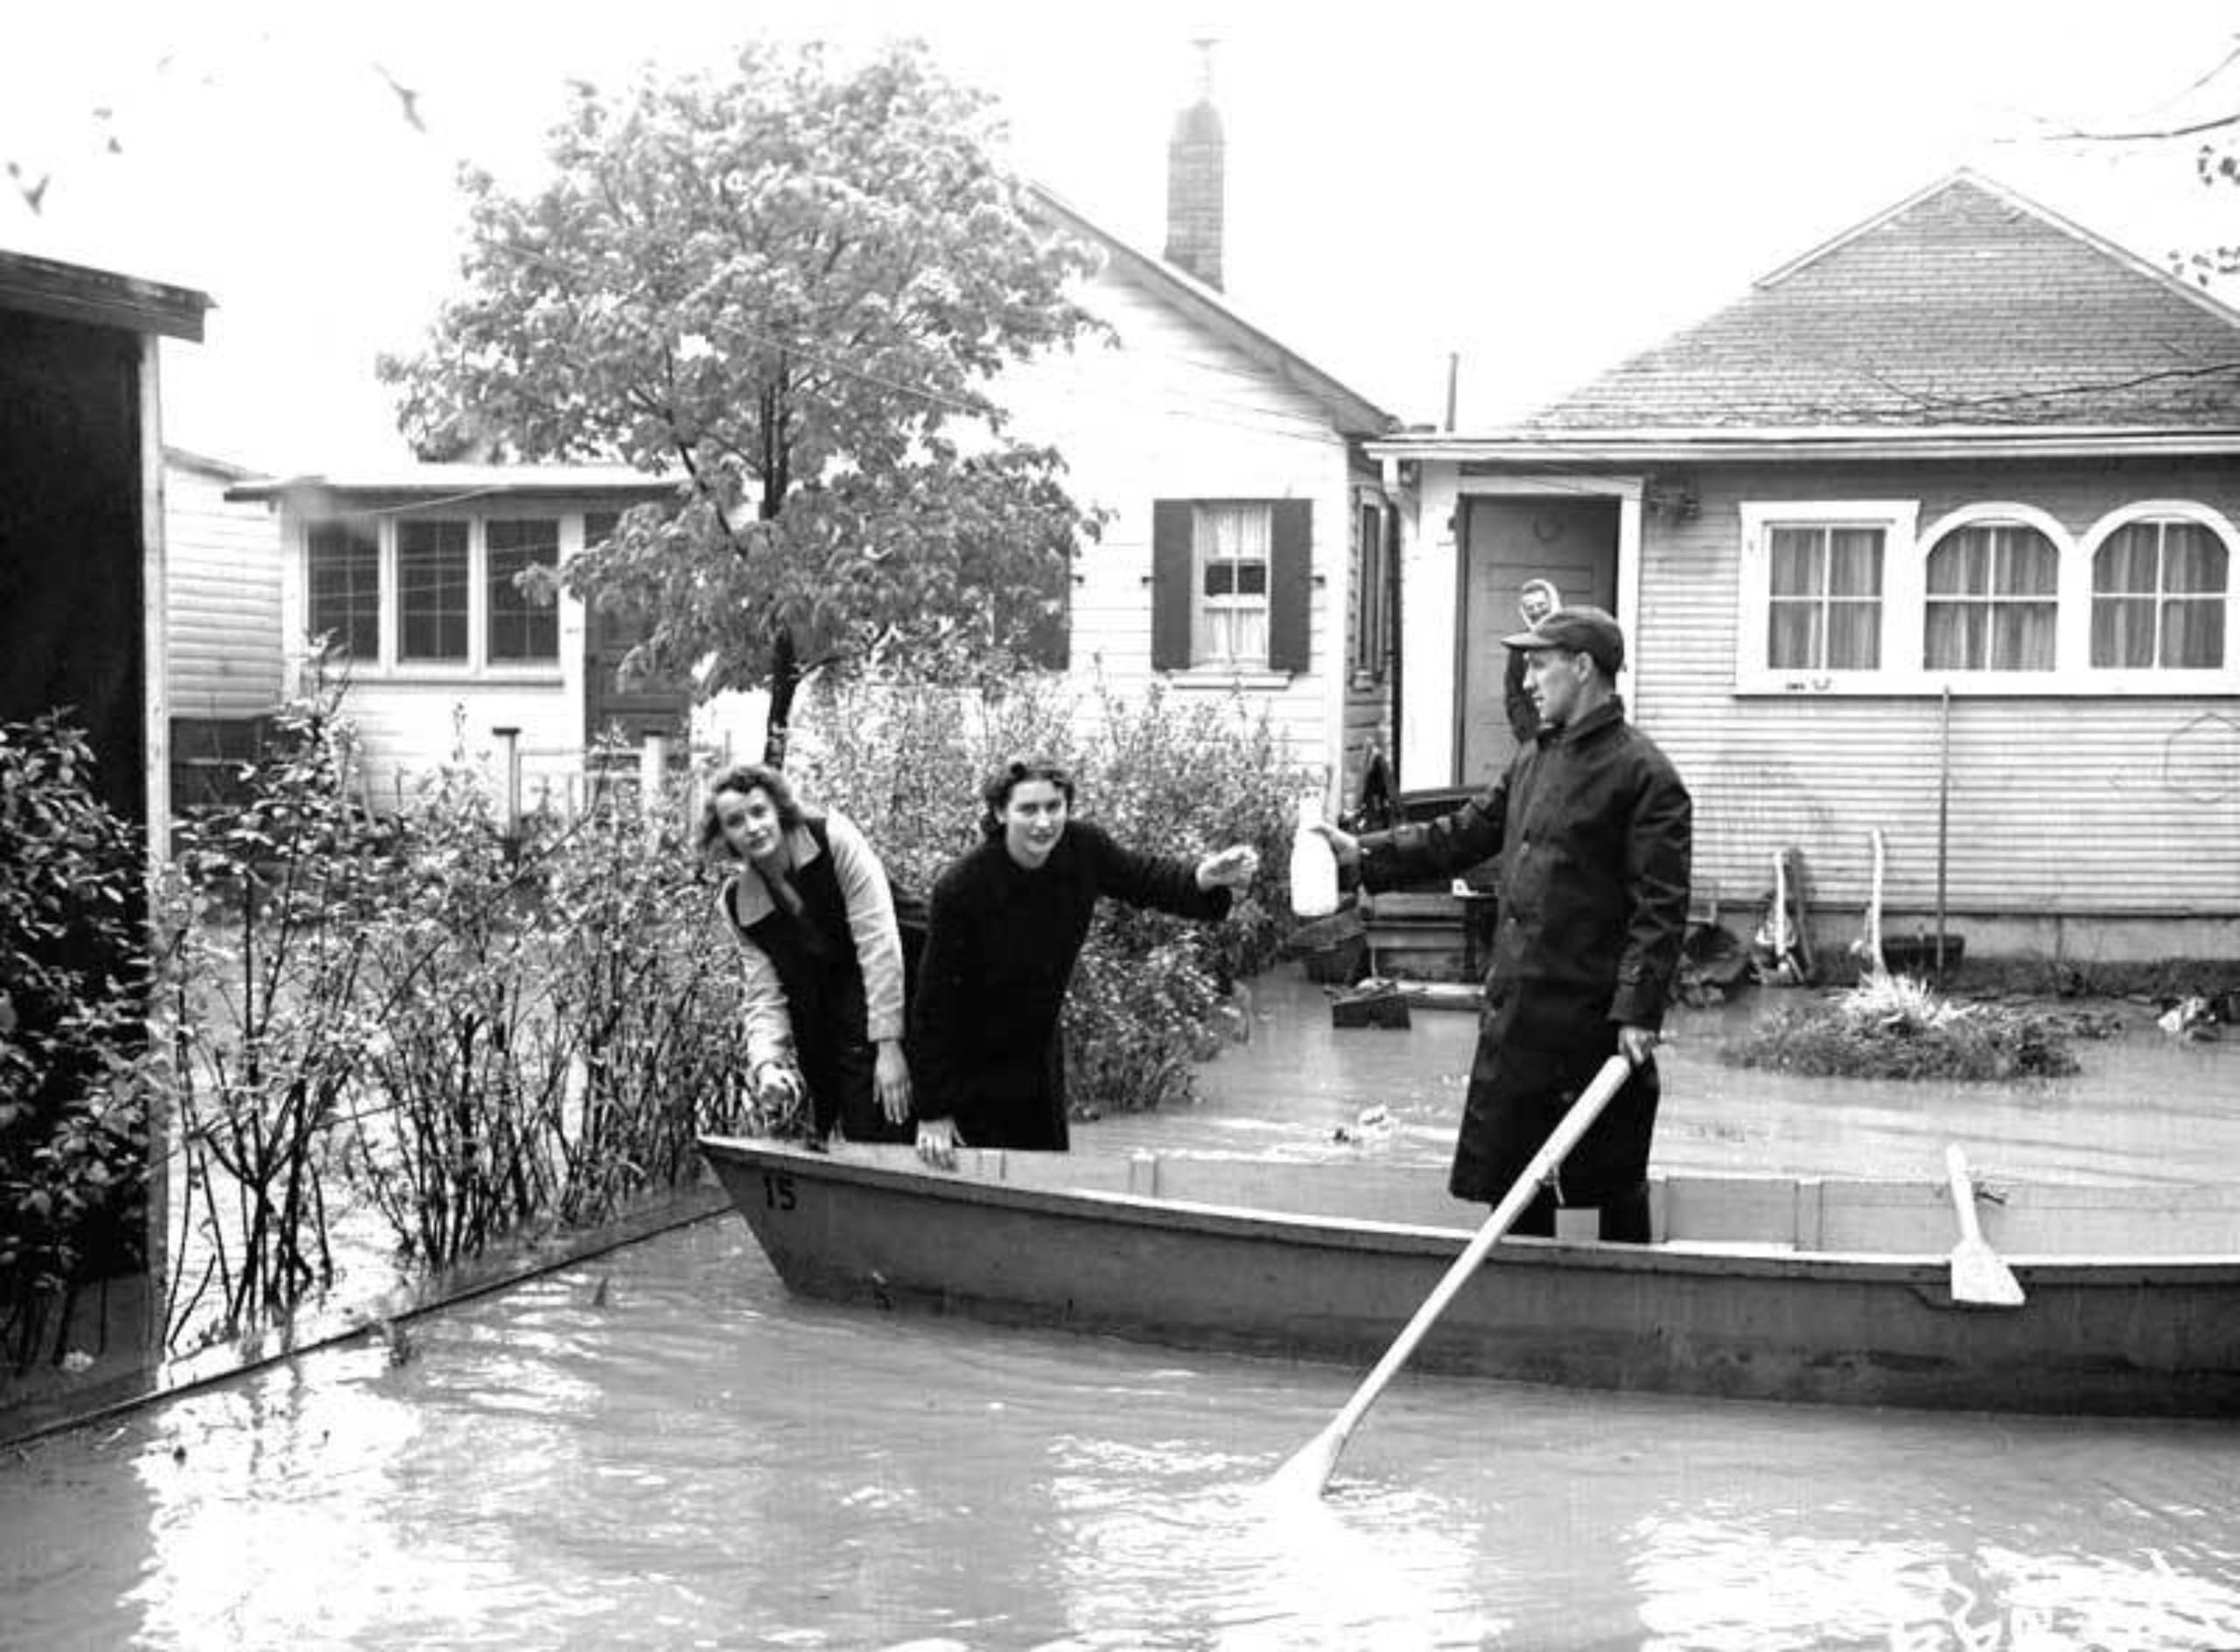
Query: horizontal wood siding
point(221, 600)
point(2057, 806)
point(407, 733)
point(1162, 412)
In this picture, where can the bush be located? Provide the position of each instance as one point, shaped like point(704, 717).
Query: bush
point(907, 765)
point(1894, 1026)
point(73, 978)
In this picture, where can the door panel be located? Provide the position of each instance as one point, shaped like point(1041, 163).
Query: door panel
point(1572, 542)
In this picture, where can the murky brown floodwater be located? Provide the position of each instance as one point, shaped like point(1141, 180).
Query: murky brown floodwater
point(700, 1460)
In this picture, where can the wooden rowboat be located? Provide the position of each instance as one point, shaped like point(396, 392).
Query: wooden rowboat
point(1785, 1288)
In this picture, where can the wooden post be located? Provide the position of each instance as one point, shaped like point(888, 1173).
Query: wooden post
point(509, 779)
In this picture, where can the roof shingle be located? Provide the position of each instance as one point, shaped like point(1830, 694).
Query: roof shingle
point(1966, 305)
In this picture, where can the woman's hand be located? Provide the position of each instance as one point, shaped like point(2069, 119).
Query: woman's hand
point(937, 1142)
point(777, 1085)
point(1232, 868)
point(891, 1081)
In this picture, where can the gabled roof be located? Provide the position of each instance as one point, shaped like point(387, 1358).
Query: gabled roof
point(1349, 412)
point(102, 298)
point(1965, 307)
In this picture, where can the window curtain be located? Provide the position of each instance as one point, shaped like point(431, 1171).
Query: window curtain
point(1230, 627)
point(2158, 594)
point(1992, 607)
point(1824, 592)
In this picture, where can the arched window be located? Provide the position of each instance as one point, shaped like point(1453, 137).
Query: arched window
point(2158, 589)
point(1992, 601)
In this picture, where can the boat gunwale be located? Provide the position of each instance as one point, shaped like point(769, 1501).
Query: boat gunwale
point(1769, 1259)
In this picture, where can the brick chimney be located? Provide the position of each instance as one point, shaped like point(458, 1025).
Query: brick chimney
point(1195, 186)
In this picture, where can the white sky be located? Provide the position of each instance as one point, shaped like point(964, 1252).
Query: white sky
point(1542, 187)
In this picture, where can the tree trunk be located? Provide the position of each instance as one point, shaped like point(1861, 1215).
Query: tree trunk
point(785, 680)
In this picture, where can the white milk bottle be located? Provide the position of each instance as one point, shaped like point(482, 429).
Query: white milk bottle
point(1314, 867)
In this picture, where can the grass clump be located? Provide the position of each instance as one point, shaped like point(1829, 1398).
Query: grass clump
point(1896, 1026)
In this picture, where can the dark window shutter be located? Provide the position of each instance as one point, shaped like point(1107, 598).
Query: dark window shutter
point(1290, 586)
point(1048, 642)
point(1171, 595)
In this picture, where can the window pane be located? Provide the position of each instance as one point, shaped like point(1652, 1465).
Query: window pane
point(2022, 636)
point(1854, 636)
point(2028, 564)
point(2122, 632)
point(431, 581)
point(1855, 562)
point(1793, 636)
point(2125, 564)
point(2192, 634)
point(1949, 641)
point(1961, 563)
point(343, 598)
point(522, 626)
point(2193, 558)
point(1795, 564)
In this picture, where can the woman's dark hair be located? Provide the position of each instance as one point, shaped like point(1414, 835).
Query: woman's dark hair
point(744, 778)
point(998, 792)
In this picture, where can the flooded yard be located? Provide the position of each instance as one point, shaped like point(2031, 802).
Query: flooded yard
point(662, 1448)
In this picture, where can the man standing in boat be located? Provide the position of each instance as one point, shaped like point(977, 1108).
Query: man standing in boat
point(1592, 825)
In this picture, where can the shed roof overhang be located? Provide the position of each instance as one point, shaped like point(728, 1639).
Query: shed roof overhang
point(99, 297)
point(1538, 447)
point(403, 486)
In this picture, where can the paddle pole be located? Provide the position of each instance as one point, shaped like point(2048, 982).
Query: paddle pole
point(1309, 1469)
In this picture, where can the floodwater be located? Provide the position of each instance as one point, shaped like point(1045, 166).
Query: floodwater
point(663, 1449)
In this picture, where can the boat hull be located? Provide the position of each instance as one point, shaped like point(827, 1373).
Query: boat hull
point(2149, 1336)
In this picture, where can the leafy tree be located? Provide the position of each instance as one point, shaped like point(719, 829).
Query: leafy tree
point(789, 287)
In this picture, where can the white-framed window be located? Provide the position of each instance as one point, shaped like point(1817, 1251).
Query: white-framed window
point(342, 586)
point(1816, 591)
point(433, 589)
point(1371, 591)
point(1231, 547)
point(522, 625)
point(1994, 597)
point(433, 593)
point(2162, 590)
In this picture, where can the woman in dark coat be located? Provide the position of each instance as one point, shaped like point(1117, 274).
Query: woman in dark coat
point(809, 903)
point(1007, 922)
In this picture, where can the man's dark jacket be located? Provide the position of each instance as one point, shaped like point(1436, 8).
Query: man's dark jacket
point(1593, 826)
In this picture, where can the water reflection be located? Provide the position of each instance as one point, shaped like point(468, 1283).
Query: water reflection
point(692, 1459)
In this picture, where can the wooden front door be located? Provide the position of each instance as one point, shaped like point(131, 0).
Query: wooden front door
point(1569, 541)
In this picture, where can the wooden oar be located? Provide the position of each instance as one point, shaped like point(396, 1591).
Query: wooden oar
point(1979, 1275)
point(1309, 1469)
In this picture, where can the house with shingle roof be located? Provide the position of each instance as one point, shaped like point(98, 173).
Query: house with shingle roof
point(1931, 534)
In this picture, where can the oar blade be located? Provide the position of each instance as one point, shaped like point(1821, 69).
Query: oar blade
point(1980, 1278)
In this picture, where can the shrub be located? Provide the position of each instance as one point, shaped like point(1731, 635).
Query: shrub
point(907, 764)
point(73, 979)
point(263, 917)
point(1896, 1026)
